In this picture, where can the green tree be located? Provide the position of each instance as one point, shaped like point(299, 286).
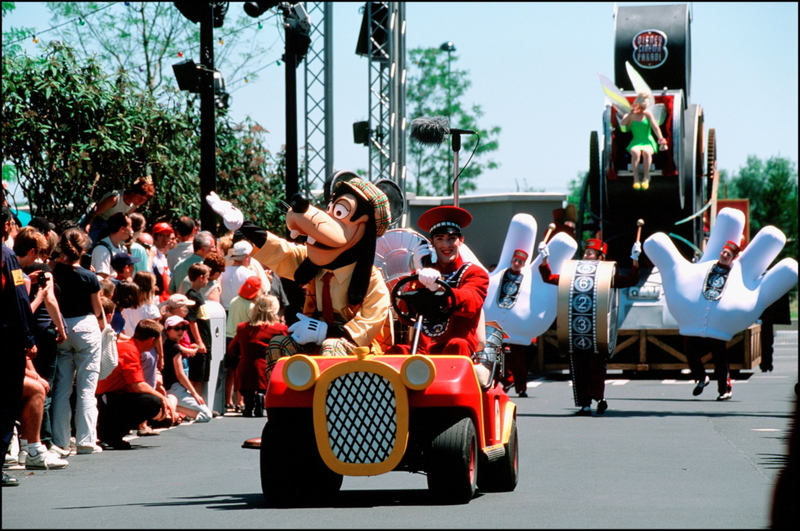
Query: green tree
point(145, 38)
point(432, 92)
point(771, 187)
point(74, 133)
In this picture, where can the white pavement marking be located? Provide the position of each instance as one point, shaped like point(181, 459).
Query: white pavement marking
point(765, 429)
point(534, 384)
point(617, 382)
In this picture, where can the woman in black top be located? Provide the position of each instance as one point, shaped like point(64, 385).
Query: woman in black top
point(79, 355)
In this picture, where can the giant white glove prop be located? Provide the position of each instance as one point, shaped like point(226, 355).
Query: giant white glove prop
point(422, 250)
point(636, 251)
point(308, 330)
point(749, 287)
point(536, 304)
point(428, 277)
point(544, 252)
point(231, 216)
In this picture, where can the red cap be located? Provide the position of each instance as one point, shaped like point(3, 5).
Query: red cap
point(444, 219)
point(733, 247)
point(251, 287)
point(519, 253)
point(162, 226)
point(597, 245)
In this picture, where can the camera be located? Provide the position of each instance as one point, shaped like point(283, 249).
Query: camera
point(42, 280)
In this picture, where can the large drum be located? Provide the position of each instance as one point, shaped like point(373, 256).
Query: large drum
point(587, 307)
point(394, 254)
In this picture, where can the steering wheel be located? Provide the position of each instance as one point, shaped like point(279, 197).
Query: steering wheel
point(435, 306)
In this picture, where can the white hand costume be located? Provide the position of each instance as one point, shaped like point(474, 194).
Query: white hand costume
point(308, 330)
point(536, 304)
point(231, 216)
point(749, 288)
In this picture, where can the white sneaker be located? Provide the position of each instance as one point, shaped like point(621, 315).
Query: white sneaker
point(90, 449)
point(60, 452)
point(45, 461)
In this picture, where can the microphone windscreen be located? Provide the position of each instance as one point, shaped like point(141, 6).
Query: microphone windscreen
point(431, 131)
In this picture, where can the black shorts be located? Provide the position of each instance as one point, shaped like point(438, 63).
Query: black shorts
point(200, 367)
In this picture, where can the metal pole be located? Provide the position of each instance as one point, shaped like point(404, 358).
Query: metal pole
point(290, 59)
point(208, 168)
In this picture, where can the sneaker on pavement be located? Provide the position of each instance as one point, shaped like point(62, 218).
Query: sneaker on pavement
point(89, 449)
point(11, 460)
point(523, 394)
point(10, 481)
point(121, 444)
point(700, 385)
point(602, 405)
point(585, 411)
point(45, 461)
point(60, 452)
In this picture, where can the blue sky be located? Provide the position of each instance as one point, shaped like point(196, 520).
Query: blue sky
point(533, 68)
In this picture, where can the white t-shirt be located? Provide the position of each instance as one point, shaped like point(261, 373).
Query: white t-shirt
point(134, 315)
point(101, 256)
point(231, 280)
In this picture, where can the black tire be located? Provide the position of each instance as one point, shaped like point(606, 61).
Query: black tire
point(292, 471)
point(502, 475)
point(453, 463)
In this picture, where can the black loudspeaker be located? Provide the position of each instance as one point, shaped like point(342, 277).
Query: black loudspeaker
point(374, 24)
point(187, 75)
point(361, 133)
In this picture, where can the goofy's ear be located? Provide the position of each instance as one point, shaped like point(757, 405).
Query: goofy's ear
point(397, 203)
point(332, 180)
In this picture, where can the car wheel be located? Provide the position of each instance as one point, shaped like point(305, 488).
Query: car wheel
point(292, 471)
point(453, 463)
point(502, 475)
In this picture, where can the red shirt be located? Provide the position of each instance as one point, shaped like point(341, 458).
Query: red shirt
point(128, 371)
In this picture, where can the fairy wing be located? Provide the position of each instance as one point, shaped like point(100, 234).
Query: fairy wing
point(614, 95)
point(659, 113)
point(641, 86)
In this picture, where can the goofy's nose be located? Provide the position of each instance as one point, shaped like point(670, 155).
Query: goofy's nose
point(299, 203)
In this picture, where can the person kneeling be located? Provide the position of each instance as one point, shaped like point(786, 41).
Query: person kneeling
point(175, 374)
point(124, 398)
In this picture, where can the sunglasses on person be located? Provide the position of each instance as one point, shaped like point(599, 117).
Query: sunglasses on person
point(180, 328)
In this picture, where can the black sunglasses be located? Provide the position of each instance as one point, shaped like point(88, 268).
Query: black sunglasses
point(180, 327)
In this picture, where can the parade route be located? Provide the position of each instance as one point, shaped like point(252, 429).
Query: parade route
point(658, 458)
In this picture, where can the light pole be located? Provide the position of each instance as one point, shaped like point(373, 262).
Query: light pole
point(448, 47)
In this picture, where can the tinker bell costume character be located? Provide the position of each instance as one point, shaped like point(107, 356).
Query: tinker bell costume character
point(642, 121)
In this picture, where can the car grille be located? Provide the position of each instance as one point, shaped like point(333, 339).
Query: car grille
point(361, 414)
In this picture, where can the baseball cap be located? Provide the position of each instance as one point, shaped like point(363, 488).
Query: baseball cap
point(176, 300)
point(241, 249)
point(120, 260)
point(174, 320)
point(162, 226)
point(251, 287)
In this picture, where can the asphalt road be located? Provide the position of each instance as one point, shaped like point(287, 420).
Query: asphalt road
point(659, 458)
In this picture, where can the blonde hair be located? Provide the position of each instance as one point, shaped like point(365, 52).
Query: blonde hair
point(264, 311)
point(642, 99)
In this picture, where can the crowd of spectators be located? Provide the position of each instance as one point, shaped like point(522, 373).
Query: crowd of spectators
point(110, 333)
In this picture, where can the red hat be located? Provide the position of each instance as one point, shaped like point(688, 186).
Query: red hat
point(251, 287)
point(597, 245)
point(162, 226)
point(733, 247)
point(444, 220)
point(519, 253)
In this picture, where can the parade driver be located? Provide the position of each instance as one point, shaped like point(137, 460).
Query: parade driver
point(469, 282)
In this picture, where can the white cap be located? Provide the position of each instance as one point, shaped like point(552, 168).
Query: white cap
point(241, 249)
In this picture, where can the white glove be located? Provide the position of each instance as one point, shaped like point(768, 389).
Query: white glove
point(231, 216)
point(308, 330)
point(422, 250)
point(544, 252)
point(636, 251)
point(428, 277)
point(750, 286)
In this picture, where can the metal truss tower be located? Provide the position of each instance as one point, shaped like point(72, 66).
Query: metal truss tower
point(318, 146)
point(387, 91)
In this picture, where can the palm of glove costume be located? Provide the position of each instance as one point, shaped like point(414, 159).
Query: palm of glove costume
point(338, 252)
point(707, 302)
point(525, 309)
